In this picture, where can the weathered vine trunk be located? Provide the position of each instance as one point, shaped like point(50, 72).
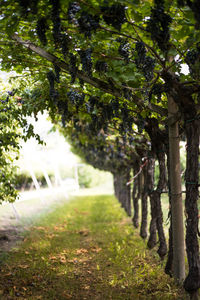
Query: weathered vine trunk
point(144, 212)
point(128, 194)
point(192, 281)
point(135, 199)
point(176, 196)
point(148, 172)
point(152, 230)
point(155, 196)
point(152, 241)
point(122, 191)
point(116, 184)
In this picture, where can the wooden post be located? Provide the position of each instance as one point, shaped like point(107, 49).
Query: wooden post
point(176, 195)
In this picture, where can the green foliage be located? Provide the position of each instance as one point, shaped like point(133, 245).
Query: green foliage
point(90, 177)
point(14, 128)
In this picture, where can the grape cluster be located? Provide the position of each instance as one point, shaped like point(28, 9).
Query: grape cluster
point(115, 106)
point(41, 30)
point(76, 98)
point(91, 104)
point(127, 121)
point(52, 92)
point(180, 3)
point(57, 73)
point(101, 66)
point(28, 6)
point(107, 112)
point(141, 53)
point(86, 61)
point(127, 92)
point(88, 23)
point(63, 111)
point(88, 107)
point(192, 56)
point(81, 82)
point(72, 67)
point(140, 124)
point(144, 63)
point(148, 67)
point(92, 101)
point(195, 7)
point(114, 15)
point(5, 106)
point(64, 44)
point(55, 17)
point(158, 26)
point(192, 60)
point(157, 90)
point(60, 39)
point(73, 9)
point(124, 49)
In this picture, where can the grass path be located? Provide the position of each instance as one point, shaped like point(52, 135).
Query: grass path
point(85, 249)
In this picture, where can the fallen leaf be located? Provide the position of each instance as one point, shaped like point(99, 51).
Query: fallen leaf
point(52, 257)
point(23, 266)
point(81, 251)
point(96, 249)
point(84, 232)
point(63, 259)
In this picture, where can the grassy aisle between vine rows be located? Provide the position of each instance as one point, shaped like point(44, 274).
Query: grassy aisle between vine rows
point(84, 249)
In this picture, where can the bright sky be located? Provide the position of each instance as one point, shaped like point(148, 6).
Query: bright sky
point(54, 154)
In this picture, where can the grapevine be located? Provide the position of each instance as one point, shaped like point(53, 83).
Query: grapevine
point(57, 73)
point(114, 15)
point(76, 98)
point(86, 61)
point(72, 67)
point(195, 7)
point(157, 90)
point(192, 60)
point(124, 49)
point(101, 66)
point(141, 53)
point(158, 26)
point(64, 44)
point(144, 63)
point(73, 9)
point(52, 92)
point(88, 23)
point(55, 16)
point(41, 30)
